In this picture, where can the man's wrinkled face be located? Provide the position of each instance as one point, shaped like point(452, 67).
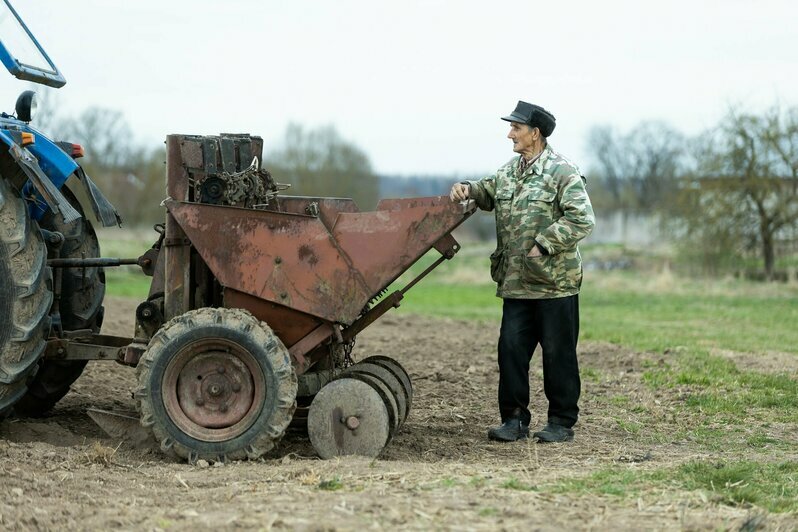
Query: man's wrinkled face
point(523, 137)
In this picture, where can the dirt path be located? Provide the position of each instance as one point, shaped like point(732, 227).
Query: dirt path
point(440, 471)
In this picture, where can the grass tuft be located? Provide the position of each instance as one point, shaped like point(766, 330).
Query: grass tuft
point(715, 386)
point(771, 486)
point(740, 483)
point(333, 484)
point(515, 484)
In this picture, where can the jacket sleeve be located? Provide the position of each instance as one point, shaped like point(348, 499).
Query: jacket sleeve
point(483, 192)
point(576, 222)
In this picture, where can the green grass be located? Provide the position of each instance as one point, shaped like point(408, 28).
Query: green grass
point(590, 374)
point(459, 288)
point(449, 482)
point(664, 321)
point(515, 484)
point(333, 484)
point(628, 426)
point(760, 441)
point(126, 281)
point(125, 243)
point(645, 311)
point(453, 301)
point(616, 481)
point(637, 319)
point(684, 319)
point(772, 486)
point(720, 389)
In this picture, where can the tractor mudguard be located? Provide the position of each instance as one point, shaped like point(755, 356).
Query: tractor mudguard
point(103, 209)
point(43, 183)
point(54, 162)
point(58, 165)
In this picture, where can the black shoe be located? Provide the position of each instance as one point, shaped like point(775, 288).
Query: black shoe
point(511, 430)
point(553, 433)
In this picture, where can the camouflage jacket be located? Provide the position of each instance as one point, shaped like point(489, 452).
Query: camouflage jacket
point(547, 204)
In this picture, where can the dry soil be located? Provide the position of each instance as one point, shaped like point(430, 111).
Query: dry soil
point(440, 472)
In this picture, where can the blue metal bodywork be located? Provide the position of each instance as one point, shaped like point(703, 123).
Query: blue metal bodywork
point(52, 160)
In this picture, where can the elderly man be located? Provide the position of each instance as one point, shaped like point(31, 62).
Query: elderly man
point(542, 212)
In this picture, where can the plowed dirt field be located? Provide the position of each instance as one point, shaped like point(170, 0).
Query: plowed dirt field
point(440, 472)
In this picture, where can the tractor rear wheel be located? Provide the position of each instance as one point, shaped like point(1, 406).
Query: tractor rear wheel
point(25, 296)
point(80, 307)
point(216, 384)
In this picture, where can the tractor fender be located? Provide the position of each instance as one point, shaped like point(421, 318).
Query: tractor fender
point(103, 209)
point(53, 161)
point(47, 168)
point(58, 167)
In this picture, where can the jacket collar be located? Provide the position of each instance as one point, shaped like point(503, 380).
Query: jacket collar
point(536, 168)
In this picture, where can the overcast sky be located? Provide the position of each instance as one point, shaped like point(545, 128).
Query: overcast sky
point(419, 85)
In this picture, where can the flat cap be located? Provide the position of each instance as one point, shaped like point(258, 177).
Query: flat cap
point(533, 115)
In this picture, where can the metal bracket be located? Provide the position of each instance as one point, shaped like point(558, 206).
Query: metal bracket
point(447, 246)
point(228, 155)
point(176, 242)
point(209, 149)
point(306, 344)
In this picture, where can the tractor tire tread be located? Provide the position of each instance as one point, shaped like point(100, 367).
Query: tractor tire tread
point(80, 307)
point(25, 297)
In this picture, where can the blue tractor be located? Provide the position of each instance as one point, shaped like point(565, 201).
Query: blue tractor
point(48, 207)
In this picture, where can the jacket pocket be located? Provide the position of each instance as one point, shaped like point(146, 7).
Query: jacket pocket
point(497, 265)
point(540, 207)
point(538, 271)
point(546, 196)
point(504, 194)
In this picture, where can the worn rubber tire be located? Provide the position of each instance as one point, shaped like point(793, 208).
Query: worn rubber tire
point(80, 307)
point(25, 297)
point(239, 330)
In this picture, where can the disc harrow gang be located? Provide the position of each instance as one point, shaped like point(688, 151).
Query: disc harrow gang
point(362, 410)
point(398, 371)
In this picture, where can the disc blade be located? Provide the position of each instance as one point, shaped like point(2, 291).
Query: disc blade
point(348, 417)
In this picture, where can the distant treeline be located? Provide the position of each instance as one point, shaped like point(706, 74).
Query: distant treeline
point(727, 197)
point(394, 186)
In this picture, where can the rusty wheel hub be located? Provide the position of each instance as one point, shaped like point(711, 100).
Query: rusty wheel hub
point(213, 390)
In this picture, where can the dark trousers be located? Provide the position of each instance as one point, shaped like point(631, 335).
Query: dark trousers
point(554, 324)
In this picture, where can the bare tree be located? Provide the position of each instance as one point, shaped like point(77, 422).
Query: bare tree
point(120, 167)
point(142, 183)
point(318, 162)
point(656, 152)
point(104, 134)
point(606, 146)
point(638, 170)
point(747, 174)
